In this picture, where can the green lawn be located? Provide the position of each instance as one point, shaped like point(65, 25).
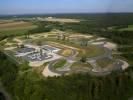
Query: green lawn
point(60, 63)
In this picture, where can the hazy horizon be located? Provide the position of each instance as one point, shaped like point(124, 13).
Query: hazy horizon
point(15, 7)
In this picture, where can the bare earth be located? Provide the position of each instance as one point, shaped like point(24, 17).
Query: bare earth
point(10, 48)
point(110, 45)
point(125, 65)
point(63, 20)
point(46, 72)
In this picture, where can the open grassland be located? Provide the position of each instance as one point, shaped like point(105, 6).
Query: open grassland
point(66, 52)
point(62, 20)
point(16, 27)
point(91, 51)
point(129, 28)
point(80, 65)
point(6, 21)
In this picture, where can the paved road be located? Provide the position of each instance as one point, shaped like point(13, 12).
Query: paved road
point(52, 69)
point(108, 54)
point(65, 68)
point(96, 68)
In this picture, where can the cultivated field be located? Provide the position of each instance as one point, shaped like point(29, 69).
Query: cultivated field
point(129, 28)
point(15, 27)
point(6, 21)
point(62, 20)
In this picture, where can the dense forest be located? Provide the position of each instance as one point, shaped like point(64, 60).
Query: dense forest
point(117, 86)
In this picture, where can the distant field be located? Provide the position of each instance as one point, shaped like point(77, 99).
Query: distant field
point(6, 21)
point(129, 28)
point(63, 20)
point(15, 27)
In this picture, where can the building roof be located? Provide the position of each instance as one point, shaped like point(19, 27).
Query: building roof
point(46, 47)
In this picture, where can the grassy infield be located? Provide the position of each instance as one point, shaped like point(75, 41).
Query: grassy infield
point(60, 63)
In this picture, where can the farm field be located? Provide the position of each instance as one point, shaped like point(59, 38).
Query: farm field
point(6, 21)
point(15, 27)
point(62, 20)
point(129, 28)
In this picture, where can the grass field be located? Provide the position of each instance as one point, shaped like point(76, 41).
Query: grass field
point(66, 52)
point(15, 27)
point(80, 65)
point(91, 51)
point(62, 20)
point(6, 21)
point(129, 28)
point(60, 63)
point(105, 62)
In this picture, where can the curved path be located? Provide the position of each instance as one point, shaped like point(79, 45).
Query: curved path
point(96, 69)
point(118, 64)
point(66, 67)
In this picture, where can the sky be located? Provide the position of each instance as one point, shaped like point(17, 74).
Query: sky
point(64, 6)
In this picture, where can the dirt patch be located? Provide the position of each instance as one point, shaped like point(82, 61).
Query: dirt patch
point(110, 45)
point(66, 52)
point(62, 20)
point(125, 64)
point(47, 73)
point(10, 48)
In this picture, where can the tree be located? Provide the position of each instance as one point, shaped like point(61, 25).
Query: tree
point(83, 59)
point(84, 42)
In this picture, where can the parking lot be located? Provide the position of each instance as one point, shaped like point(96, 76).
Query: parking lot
point(37, 57)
